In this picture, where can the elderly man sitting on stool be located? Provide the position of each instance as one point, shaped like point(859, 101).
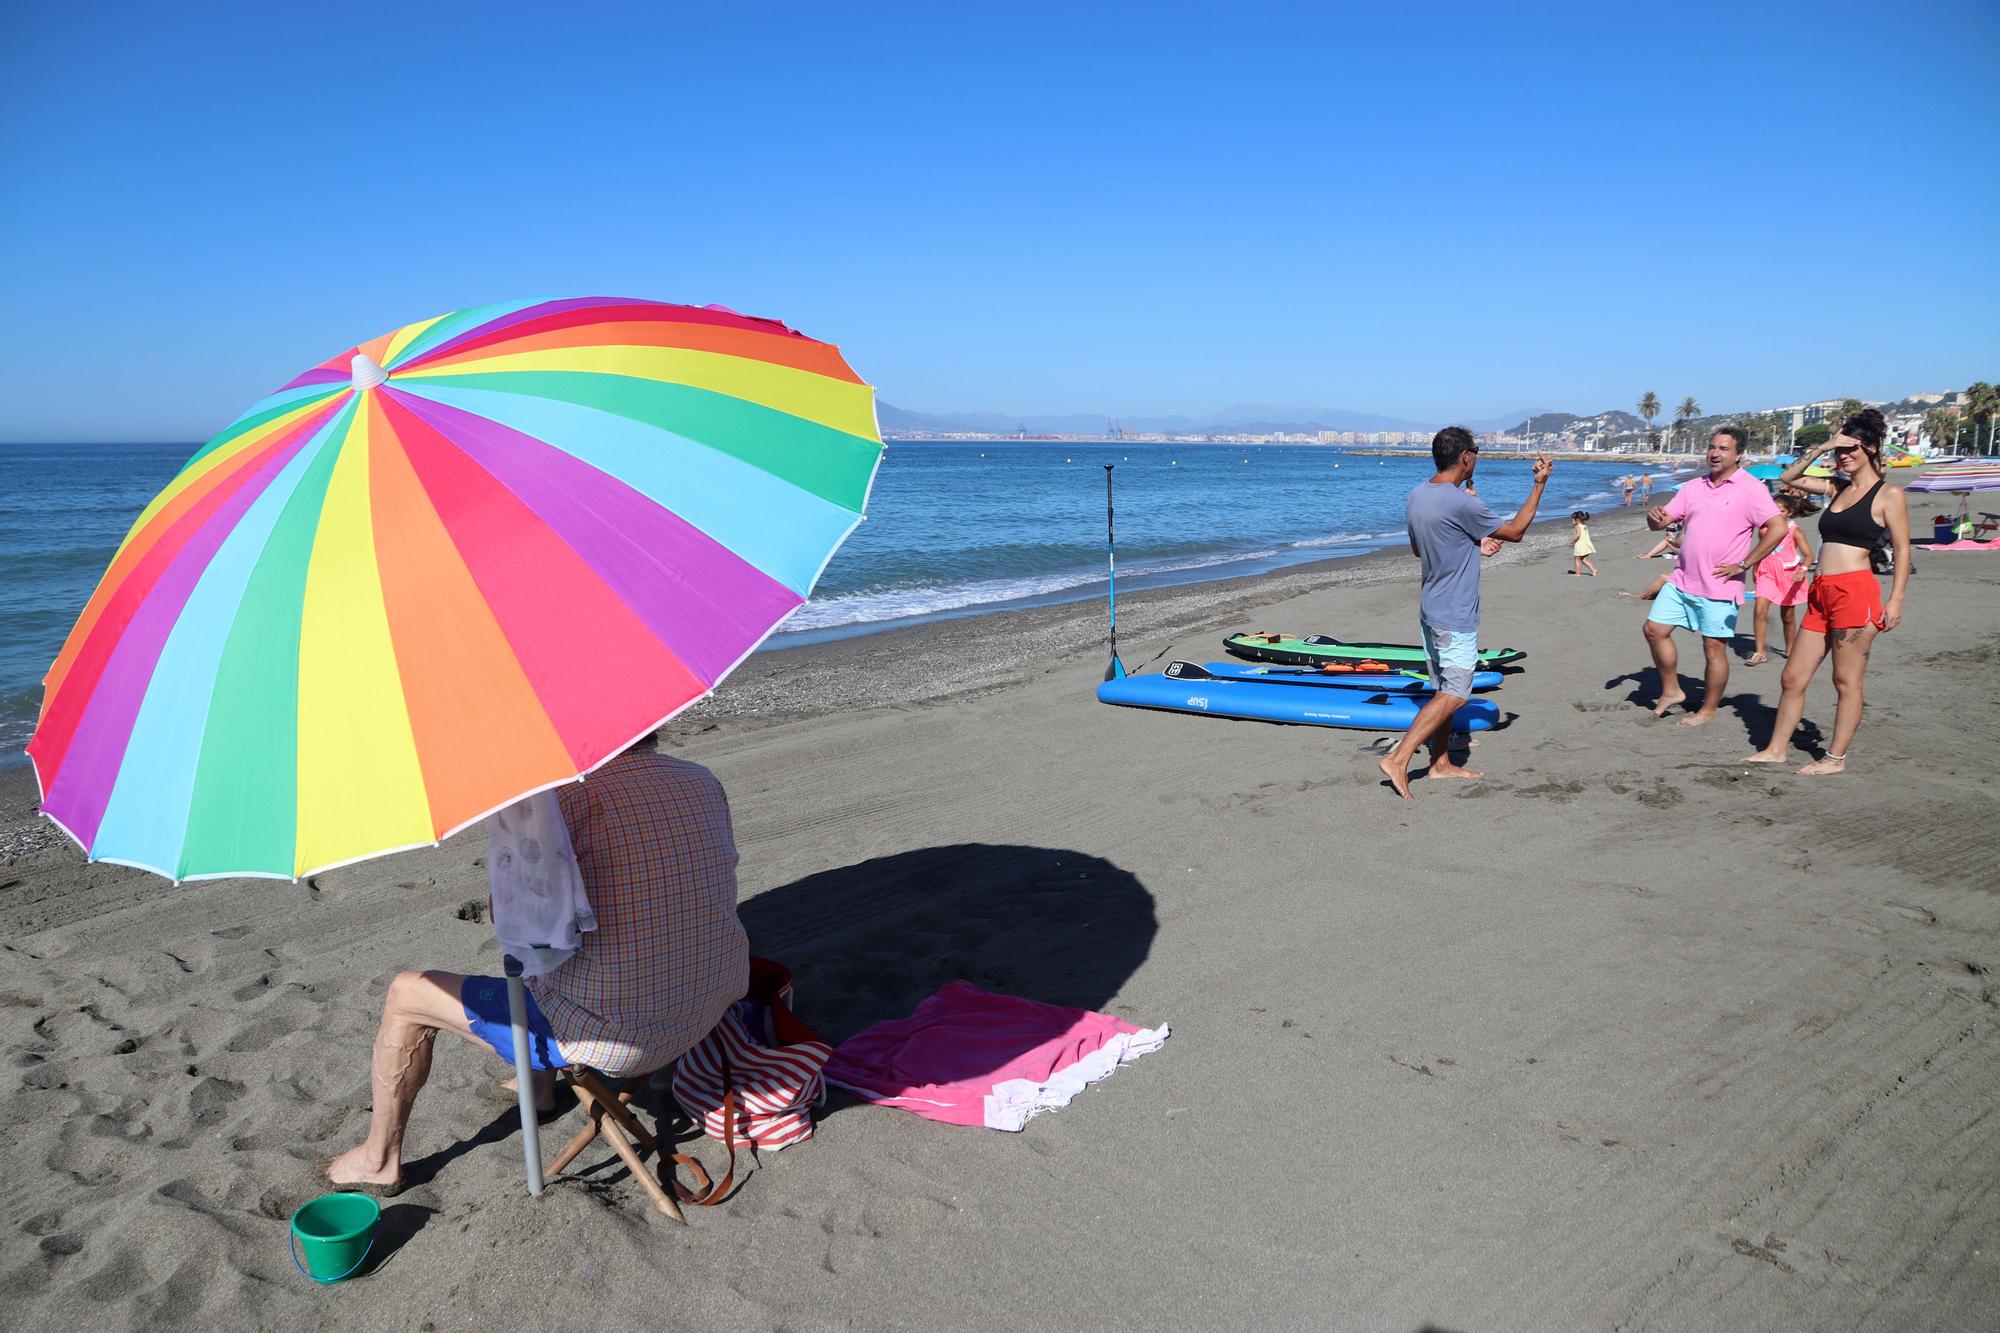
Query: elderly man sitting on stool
point(652, 839)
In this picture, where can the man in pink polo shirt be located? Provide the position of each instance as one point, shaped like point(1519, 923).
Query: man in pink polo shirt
point(1732, 523)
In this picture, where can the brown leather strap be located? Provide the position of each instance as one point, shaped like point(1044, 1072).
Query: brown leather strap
point(704, 1194)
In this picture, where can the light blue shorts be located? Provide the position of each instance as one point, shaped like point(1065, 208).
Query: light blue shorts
point(1453, 655)
point(1710, 617)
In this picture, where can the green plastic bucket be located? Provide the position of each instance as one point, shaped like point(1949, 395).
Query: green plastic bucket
point(334, 1233)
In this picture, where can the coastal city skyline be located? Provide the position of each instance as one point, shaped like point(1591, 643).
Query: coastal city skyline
point(1912, 417)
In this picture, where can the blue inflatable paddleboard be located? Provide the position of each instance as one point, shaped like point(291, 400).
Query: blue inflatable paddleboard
point(1399, 682)
point(1263, 701)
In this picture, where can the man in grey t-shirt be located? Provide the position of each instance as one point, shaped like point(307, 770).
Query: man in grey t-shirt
point(1449, 531)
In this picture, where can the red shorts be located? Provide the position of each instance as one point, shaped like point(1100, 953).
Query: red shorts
point(1843, 601)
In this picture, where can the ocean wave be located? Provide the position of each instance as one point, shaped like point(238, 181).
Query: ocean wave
point(1340, 539)
point(862, 608)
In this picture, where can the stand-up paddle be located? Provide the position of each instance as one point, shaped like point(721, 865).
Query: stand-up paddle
point(1116, 668)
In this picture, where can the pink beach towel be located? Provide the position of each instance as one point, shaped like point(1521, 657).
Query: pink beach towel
point(969, 1057)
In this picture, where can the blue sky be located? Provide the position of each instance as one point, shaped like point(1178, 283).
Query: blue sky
point(1428, 211)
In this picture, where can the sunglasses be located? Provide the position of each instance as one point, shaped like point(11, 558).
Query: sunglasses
point(1847, 448)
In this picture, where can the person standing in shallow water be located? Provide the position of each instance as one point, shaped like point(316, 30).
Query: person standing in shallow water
point(1732, 523)
point(1449, 531)
point(1844, 606)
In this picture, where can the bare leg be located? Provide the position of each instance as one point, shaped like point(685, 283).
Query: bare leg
point(543, 1081)
point(1650, 593)
point(1667, 658)
point(1850, 666)
point(1760, 622)
point(1441, 765)
point(1790, 616)
point(1434, 718)
point(418, 1006)
point(1715, 678)
point(1589, 566)
point(1806, 656)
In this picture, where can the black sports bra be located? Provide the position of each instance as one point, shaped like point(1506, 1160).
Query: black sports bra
point(1854, 525)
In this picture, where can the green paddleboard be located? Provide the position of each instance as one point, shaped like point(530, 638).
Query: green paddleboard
point(1319, 650)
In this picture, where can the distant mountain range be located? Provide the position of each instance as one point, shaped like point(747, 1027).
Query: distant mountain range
point(1242, 418)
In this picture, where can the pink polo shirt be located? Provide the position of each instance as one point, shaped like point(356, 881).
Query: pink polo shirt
point(1722, 521)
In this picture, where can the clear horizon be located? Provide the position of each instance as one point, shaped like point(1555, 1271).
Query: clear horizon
point(1444, 217)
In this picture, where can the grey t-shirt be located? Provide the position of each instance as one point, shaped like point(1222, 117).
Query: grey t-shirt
point(1446, 527)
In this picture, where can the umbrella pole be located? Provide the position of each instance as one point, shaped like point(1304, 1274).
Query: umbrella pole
point(524, 1076)
point(1116, 668)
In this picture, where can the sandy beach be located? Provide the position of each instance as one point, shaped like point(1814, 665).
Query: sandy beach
point(1625, 1036)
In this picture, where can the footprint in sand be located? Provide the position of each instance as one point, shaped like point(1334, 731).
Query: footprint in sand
point(1921, 915)
point(252, 990)
point(212, 1096)
point(54, 1249)
point(123, 1275)
point(42, 1224)
point(261, 1034)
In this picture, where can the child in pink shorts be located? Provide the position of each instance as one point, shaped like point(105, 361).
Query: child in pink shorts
point(1782, 578)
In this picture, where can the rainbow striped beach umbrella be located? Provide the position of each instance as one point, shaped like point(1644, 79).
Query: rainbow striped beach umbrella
point(464, 562)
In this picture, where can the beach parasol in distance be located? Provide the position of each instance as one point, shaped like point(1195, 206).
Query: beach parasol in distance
point(458, 564)
point(1983, 475)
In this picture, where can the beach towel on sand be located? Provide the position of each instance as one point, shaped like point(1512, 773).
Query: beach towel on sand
point(969, 1057)
point(540, 910)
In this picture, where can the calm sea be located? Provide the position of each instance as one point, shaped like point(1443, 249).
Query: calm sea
point(954, 527)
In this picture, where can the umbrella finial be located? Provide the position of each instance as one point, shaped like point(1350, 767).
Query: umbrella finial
point(366, 373)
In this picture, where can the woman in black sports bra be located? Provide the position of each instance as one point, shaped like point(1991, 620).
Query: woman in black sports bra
point(1844, 606)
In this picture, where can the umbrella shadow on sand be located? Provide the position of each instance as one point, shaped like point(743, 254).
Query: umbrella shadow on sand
point(868, 942)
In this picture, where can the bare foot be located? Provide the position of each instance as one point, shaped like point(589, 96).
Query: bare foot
point(545, 1090)
point(1667, 701)
point(1823, 768)
point(1700, 719)
point(1755, 659)
point(358, 1166)
point(1398, 774)
point(1446, 769)
point(1764, 757)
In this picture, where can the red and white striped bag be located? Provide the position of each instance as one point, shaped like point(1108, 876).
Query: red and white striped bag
point(763, 1087)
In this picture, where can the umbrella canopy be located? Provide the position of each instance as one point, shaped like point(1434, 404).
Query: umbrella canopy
point(1975, 476)
point(1765, 471)
point(460, 563)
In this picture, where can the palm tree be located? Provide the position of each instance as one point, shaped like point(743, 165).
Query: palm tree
point(1687, 411)
point(1780, 424)
point(1649, 407)
point(1848, 407)
point(1982, 404)
point(1941, 427)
